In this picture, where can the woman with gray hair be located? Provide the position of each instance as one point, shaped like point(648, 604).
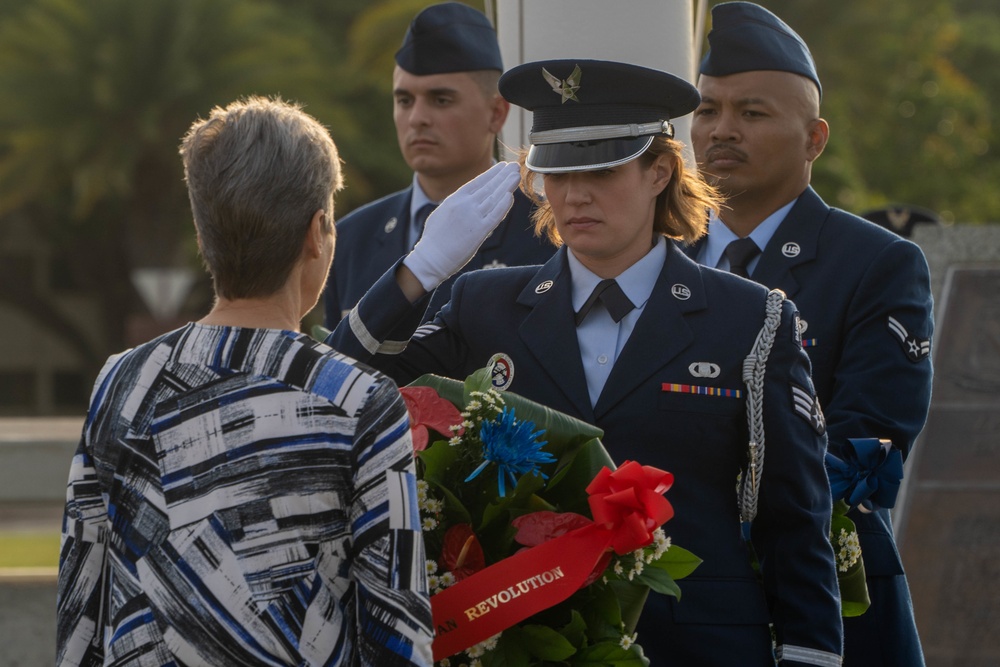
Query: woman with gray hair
point(241, 494)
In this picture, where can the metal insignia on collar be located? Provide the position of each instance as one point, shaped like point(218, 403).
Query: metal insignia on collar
point(915, 348)
point(704, 369)
point(390, 225)
point(501, 371)
point(543, 287)
point(681, 292)
point(791, 249)
point(565, 89)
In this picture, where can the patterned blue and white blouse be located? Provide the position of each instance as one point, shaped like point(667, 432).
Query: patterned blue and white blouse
point(242, 497)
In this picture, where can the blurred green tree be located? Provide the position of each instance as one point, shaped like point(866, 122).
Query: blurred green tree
point(96, 97)
point(97, 93)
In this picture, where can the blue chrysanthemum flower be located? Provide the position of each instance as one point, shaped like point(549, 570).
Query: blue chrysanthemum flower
point(514, 446)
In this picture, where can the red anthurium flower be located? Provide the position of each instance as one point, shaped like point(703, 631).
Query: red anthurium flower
point(462, 555)
point(428, 410)
point(630, 502)
point(539, 527)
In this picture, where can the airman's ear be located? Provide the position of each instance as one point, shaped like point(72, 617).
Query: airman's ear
point(499, 108)
point(663, 171)
point(819, 134)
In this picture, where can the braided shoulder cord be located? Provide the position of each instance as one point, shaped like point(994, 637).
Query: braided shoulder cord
point(753, 376)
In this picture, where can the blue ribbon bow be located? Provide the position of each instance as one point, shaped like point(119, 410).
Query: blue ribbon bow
point(869, 475)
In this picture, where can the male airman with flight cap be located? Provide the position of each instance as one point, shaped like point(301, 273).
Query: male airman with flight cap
point(447, 113)
point(863, 292)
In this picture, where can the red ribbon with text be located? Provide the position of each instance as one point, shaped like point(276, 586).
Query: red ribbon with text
point(627, 505)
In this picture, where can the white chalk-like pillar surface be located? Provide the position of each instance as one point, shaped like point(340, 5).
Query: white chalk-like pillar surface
point(651, 33)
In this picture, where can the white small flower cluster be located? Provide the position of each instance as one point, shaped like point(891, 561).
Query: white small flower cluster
point(483, 405)
point(640, 558)
point(438, 582)
point(430, 508)
point(479, 650)
point(430, 511)
point(849, 551)
point(474, 653)
point(627, 641)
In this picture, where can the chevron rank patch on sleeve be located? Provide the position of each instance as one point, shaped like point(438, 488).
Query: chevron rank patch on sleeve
point(916, 349)
point(806, 405)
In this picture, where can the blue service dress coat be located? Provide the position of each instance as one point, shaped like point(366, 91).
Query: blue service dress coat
point(864, 298)
point(372, 238)
point(695, 319)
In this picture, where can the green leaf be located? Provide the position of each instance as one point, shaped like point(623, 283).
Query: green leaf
point(576, 630)
point(659, 581)
point(602, 613)
point(840, 508)
point(631, 599)
point(526, 487)
point(854, 599)
point(677, 562)
point(509, 652)
point(478, 381)
point(610, 653)
point(438, 460)
point(567, 487)
point(543, 642)
point(840, 521)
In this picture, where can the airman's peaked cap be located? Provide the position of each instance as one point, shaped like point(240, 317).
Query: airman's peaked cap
point(594, 114)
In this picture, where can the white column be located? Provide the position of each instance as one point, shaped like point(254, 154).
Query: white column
point(651, 33)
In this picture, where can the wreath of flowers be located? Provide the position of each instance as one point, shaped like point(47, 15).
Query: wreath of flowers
point(508, 475)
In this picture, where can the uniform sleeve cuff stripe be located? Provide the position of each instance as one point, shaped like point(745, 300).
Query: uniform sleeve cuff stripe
point(809, 656)
point(392, 346)
point(361, 332)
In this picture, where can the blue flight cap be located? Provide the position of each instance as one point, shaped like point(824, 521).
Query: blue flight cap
point(594, 114)
point(449, 37)
point(746, 37)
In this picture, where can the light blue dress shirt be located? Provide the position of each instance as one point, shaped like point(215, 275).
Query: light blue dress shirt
point(417, 201)
point(712, 253)
point(601, 339)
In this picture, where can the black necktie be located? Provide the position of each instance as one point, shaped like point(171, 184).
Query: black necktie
point(417, 227)
point(739, 253)
point(613, 298)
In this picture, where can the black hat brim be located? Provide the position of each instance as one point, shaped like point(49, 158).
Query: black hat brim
point(585, 155)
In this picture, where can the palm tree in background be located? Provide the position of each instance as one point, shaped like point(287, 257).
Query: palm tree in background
point(96, 97)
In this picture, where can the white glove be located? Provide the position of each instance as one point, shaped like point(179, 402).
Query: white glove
point(456, 228)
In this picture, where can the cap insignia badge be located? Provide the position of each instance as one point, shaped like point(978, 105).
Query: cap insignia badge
point(565, 89)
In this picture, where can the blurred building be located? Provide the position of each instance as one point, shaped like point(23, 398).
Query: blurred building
point(46, 327)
